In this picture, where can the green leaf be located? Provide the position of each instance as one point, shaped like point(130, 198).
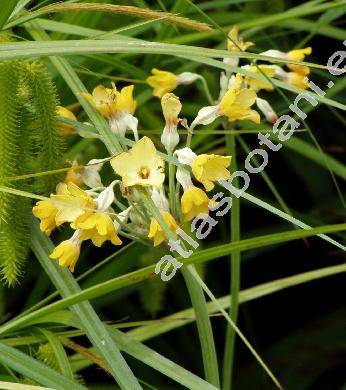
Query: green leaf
point(27, 366)
point(90, 322)
point(6, 10)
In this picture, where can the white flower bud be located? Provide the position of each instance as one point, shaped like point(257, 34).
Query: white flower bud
point(159, 198)
point(184, 178)
point(206, 115)
point(267, 110)
point(185, 156)
point(188, 77)
point(171, 108)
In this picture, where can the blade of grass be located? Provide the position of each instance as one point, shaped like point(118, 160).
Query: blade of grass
point(6, 10)
point(235, 261)
point(88, 319)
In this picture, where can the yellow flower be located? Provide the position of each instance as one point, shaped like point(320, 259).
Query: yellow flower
point(46, 212)
point(194, 202)
point(171, 108)
point(257, 84)
point(237, 102)
point(155, 231)
point(64, 128)
point(67, 252)
point(140, 166)
point(97, 227)
point(235, 42)
point(208, 168)
point(299, 55)
point(72, 204)
point(162, 82)
point(297, 79)
point(110, 102)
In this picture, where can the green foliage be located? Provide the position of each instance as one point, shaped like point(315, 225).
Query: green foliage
point(48, 142)
point(13, 211)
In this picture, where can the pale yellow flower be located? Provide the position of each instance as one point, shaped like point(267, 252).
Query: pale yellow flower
point(162, 82)
point(155, 230)
point(64, 128)
point(235, 42)
point(67, 252)
point(140, 166)
point(237, 102)
point(194, 202)
point(209, 168)
point(112, 103)
point(72, 204)
point(257, 84)
point(97, 227)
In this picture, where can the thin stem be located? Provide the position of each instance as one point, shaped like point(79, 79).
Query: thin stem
point(235, 259)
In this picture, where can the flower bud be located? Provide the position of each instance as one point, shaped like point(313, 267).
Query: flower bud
point(171, 108)
point(267, 110)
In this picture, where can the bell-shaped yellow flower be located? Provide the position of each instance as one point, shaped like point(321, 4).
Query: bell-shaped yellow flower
point(110, 102)
point(72, 204)
point(97, 227)
point(297, 79)
point(194, 202)
point(235, 42)
point(162, 82)
point(299, 55)
point(237, 102)
point(67, 252)
point(257, 84)
point(209, 168)
point(155, 231)
point(140, 166)
point(46, 212)
point(64, 128)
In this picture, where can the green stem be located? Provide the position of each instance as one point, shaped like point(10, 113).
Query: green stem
point(235, 258)
point(198, 301)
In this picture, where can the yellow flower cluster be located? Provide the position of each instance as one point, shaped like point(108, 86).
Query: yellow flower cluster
point(140, 169)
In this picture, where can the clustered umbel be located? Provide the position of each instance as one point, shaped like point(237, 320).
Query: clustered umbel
point(94, 213)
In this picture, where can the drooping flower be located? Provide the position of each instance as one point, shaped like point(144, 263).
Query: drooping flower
point(299, 80)
point(194, 201)
point(294, 55)
point(140, 166)
point(164, 82)
point(236, 42)
point(156, 232)
point(64, 128)
point(235, 105)
point(67, 252)
point(46, 211)
point(171, 108)
point(117, 106)
point(97, 225)
point(209, 168)
point(257, 84)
